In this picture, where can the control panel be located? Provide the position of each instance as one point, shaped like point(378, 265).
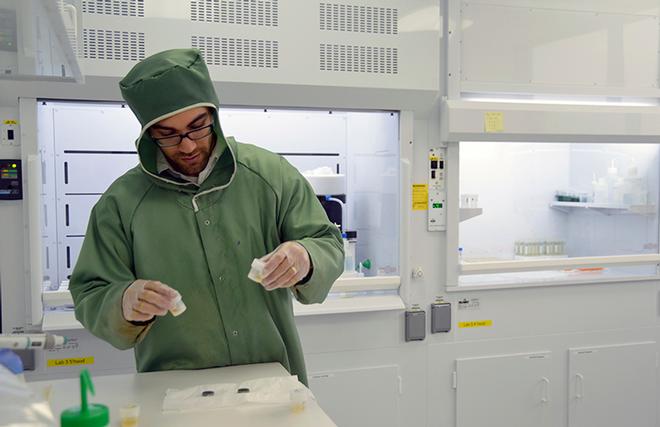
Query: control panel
point(9, 133)
point(437, 190)
point(11, 179)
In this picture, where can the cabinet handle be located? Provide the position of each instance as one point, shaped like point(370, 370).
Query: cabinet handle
point(546, 390)
point(579, 386)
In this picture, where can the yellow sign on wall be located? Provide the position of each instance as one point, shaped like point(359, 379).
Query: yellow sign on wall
point(493, 122)
point(420, 197)
point(71, 361)
point(475, 324)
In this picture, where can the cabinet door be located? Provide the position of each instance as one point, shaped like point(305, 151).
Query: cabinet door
point(613, 386)
point(365, 396)
point(510, 390)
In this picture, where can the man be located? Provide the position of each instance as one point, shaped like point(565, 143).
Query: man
point(189, 220)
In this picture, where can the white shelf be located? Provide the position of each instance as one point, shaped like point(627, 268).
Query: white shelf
point(57, 298)
point(604, 208)
point(350, 304)
point(374, 283)
point(64, 320)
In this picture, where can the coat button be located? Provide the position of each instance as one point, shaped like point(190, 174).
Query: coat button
point(235, 333)
point(207, 222)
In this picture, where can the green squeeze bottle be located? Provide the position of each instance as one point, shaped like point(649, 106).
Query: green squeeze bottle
point(87, 415)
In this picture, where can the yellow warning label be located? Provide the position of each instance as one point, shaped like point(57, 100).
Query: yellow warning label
point(420, 197)
point(494, 122)
point(475, 324)
point(10, 122)
point(72, 361)
point(433, 157)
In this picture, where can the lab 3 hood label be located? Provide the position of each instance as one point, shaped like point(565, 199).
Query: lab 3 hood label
point(476, 324)
point(71, 361)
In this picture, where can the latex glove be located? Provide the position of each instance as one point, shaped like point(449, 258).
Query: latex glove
point(145, 299)
point(285, 266)
point(11, 361)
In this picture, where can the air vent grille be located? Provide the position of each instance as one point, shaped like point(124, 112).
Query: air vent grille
point(232, 52)
point(113, 45)
point(359, 59)
point(358, 19)
point(114, 7)
point(240, 12)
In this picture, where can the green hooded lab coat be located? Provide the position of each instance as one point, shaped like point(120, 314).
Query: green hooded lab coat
point(201, 240)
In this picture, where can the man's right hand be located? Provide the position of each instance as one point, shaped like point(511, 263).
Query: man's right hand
point(144, 299)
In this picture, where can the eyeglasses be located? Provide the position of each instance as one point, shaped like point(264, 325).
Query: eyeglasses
point(193, 135)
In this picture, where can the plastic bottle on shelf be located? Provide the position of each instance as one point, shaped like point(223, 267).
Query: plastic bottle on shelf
point(633, 189)
point(350, 240)
point(600, 191)
point(612, 183)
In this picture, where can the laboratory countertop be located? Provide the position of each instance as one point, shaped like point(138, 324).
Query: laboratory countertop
point(148, 390)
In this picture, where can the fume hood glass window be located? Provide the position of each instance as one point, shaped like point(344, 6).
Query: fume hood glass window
point(351, 160)
point(555, 201)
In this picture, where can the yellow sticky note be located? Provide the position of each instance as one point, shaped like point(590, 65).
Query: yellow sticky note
point(494, 122)
point(420, 197)
point(475, 324)
point(71, 361)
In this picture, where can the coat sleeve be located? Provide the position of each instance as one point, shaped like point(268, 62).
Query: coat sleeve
point(303, 219)
point(101, 275)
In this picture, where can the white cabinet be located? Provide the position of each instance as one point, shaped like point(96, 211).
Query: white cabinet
point(511, 390)
point(613, 386)
point(366, 396)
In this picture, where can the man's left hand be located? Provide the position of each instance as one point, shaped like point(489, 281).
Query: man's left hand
point(285, 266)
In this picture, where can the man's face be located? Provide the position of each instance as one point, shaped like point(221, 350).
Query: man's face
point(191, 155)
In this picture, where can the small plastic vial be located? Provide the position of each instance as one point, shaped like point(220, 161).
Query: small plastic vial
point(179, 306)
point(129, 415)
point(256, 270)
point(298, 398)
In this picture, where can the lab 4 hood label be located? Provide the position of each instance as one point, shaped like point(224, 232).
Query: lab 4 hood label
point(71, 361)
point(475, 324)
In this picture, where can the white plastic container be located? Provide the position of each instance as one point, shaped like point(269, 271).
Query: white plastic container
point(179, 306)
point(256, 270)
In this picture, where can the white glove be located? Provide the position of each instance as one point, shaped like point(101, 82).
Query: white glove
point(144, 299)
point(285, 266)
